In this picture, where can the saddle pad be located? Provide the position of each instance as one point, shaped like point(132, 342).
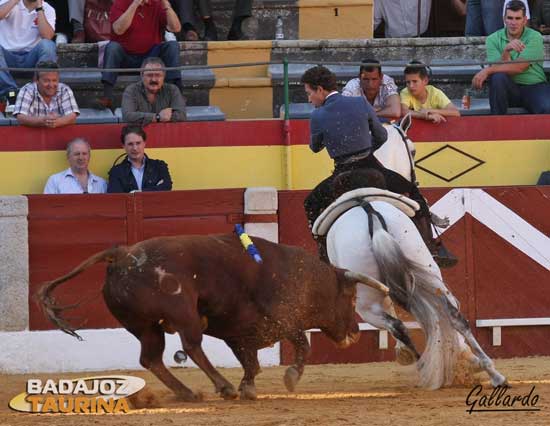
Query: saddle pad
point(354, 198)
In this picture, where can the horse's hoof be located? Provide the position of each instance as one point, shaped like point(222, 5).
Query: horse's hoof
point(405, 356)
point(500, 380)
point(292, 376)
point(248, 392)
point(228, 392)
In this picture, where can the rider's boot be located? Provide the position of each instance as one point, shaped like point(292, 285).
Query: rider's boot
point(442, 256)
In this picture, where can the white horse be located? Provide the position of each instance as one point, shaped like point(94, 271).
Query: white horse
point(397, 154)
point(399, 258)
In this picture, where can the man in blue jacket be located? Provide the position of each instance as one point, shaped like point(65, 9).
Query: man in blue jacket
point(137, 172)
point(350, 131)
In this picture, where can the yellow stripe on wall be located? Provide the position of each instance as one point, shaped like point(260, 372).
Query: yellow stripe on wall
point(506, 163)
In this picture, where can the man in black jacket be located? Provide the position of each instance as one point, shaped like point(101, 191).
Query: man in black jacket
point(137, 172)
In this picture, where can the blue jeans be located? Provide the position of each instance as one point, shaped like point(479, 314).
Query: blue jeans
point(483, 17)
point(505, 93)
point(43, 51)
point(116, 57)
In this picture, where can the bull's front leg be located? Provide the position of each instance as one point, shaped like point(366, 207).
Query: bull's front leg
point(248, 357)
point(301, 351)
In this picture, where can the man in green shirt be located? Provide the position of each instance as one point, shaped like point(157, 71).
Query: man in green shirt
point(515, 83)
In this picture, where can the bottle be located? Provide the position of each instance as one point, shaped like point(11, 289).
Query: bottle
point(466, 101)
point(279, 34)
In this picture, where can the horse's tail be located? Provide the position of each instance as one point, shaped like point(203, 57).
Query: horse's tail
point(418, 291)
point(53, 311)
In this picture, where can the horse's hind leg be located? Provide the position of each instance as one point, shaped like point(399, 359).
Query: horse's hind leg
point(406, 352)
point(301, 350)
point(248, 357)
point(461, 325)
point(151, 337)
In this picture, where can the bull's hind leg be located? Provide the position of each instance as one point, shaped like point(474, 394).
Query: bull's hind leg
point(152, 341)
point(461, 325)
point(301, 350)
point(191, 338)
point(249, 360)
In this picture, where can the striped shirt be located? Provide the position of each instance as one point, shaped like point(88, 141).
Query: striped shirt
point(67, 183)
point(30, 102)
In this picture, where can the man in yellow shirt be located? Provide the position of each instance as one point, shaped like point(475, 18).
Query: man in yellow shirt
point(423, 100)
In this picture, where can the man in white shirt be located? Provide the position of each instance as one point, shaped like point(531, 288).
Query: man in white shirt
point(377, 88)
point(401, 17)
point(26, 30)
point(77, 179)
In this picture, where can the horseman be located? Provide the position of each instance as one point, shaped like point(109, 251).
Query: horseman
point(350, 131)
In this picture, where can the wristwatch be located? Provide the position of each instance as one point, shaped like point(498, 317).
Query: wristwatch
point(38, 9)
point(157, 117)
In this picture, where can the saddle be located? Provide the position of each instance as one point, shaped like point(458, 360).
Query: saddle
point(354, 198)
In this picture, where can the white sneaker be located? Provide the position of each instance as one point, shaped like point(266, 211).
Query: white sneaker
point(168, 36)
point(61, 38)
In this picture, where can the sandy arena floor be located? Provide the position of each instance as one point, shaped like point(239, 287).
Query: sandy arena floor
point(366, 394)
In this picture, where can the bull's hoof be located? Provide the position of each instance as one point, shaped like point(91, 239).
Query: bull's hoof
point(190, 397)
point(248, 392)
point(292, 376)
point(228, 392)
point(405, 356)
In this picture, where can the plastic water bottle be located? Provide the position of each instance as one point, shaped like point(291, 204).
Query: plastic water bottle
point(279, 34)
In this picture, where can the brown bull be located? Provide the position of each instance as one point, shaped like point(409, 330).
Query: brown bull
point(209, 284)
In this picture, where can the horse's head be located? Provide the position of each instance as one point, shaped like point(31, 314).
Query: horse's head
point(403, 127)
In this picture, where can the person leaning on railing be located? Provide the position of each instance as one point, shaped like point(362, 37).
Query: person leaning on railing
point(423, 100)
point(46, 102)
point(515, 83)
point(152, 100)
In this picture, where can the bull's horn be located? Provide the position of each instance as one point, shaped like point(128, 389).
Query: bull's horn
point(365, 279)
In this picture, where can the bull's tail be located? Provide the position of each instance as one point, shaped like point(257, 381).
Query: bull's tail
point(419, 292)
point(47, 301)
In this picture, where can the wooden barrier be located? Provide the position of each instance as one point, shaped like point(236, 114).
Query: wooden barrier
point(499, 234)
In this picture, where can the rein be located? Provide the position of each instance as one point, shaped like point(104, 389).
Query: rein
point(409, 156)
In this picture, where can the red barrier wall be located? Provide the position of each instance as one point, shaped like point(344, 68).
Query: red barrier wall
point(493, 280)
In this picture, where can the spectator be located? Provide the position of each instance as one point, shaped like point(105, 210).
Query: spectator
point(402, 18)
point(77, 179)
point(70, 20)
point(484, 17)
point(185, 10)
point(515, 84)
point(525, 3)
point(137, 172)
point(46, 102)
point(152, 100)
point(540, 20)
point(26, 29)
point(377, 88)
point(423, 100)
point(544, 178)
point(137, 30)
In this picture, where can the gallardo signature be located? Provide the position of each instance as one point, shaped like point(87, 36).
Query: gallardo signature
point(501, 399)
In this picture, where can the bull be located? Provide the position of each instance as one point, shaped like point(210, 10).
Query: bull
point(195, 285)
